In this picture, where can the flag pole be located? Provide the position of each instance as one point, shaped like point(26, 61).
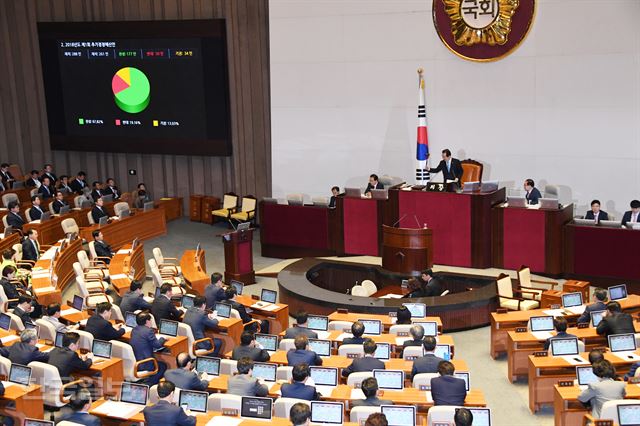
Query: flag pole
point(422, 141)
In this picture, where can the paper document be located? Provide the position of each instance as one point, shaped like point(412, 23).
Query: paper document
point(47, 289)
point(554, 312)
point(69, 311)
point(119, 276)
point(120, 410)
point(325, 391)
point(8, 339)
point(577, 310)
point(357, 394)
point(123, 251)
point(391, 296)
point(541, 335)
point(429, 398)
point(574, 359)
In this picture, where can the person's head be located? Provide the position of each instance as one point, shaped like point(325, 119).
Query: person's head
point(247, 338)
point(141, 187)
point(144, 319)
point(216, 278)
point(245, 365)
point(35, 200)
point(301, 342)
point(369, 387)
point(230, 293)
point(595, 206)
point(301, 318)
point(357, 329)
point(96, 185)
point(4, 167)
point(426, 275)
point(635, 206)
point(166, 289)
point(184, 361)
point(46, 181)
point(104, 310)
point(417, 332)
point(24, 302)
point(34, 174)
point(446, 368)
point(8, 254)
point(70, 340)
point(81, 400)
point(48, 168)
point(429, 343)
point(614, 307)
point(604, 369)
point(59, 196)
point(135, 286)
point(33, 234)
point(166, 389)
point(81, 175)
point(403, 315)
point(64, 179)
point(110, 182)
point(595, 355)
point(300, 372)
point(13, 206)
point(335, 190)
point(29, 336)
point(600, 294)
point(99, 202)
point(9, 272)
point(300, 414)
point(529, 184)
point(560, 324)
point(53, 310)
point(373, 179)
point(199, 302)
point(446, 154)
point(369, 347)
point(463, 417)
point(376, 419)
point(97, 235)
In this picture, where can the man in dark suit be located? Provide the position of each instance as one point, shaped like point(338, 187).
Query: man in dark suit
point(366, 363)
point(133, 300)
point(162, 308)
point(214, 292)
point(230, 295)
point(97, 191)
point(417, 335)
point(369, 388)
point(301, 354)
point(64, 185)
point(199, 320)
point(184, 377)
point(98, 210)
point(432, 284)
point(450, 167)
point(112, 189)
point(35, 212)
point(595, 213)
point(300, 327)
point(48, 172)
point(428, 363)
point(101, 247)
point(46, 189)
point(614, 321)
point(26, 350)
point(144, 343)
point(560, 324)
point(447, 389)
point(532, 193)
point(59, 202)
point(243, 383)
point(78, 184)
point(335, 191)
point(373, 184)
point(8, 282)
point(24, 308)
point(80, 404)
point(298, 388)
point(248, 349)
point(632, 215)
point(6, 176)
point(99, 324)
point(30, 246)
point(34, 180)
point(13, 217)
point(357, 329)
point(600, 297)
point(165, 412)
point(66, 358)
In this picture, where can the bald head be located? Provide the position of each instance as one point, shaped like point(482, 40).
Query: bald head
point(183, 360)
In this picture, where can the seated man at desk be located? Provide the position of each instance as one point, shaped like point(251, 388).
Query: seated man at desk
point(595, 213)
point(428, 363)
point(133, 300)
point(369, 388)
point(417, 336)
point(24, 309)
point(66, 358)
point(52, 316)
point(26, 350)
point(99, 324)
point(98, 210)
point(600, 296)
point(78, 184)
point(532, 193)
point(230, 294)
point(30, 246)
point(184, 377)
point(144, 343)
point(165, 412)
point(403, 315)
point(300, 327)
point(614, 321)
point(450, 167)
point(632, 215)
point(199, 320)
point(243, 383)
point(335, 191)
point(432, 284)
point(300, 414)
point(80, 404)
point(35, 212)
point(47, 172)
point(111, 189)
point(162, 307)
point(249, 349)
point(63, 186)
point(13, 217)
point(46, 190)
point(59, 202)
point(102, 249)
point(560, 324)
point(214, 292)
point(298, 387)
point(6, 176)
point(34, 180)
point(373, 184)
point(463, 417)
point(357, 329)
point(301, 354)
point(97, 191)
point(605, 389)
point(367, 363)
point(447, 389)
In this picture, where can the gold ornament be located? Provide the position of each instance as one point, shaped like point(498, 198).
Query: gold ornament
point(480, 21)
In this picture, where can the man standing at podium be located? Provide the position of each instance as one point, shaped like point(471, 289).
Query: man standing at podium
point(532, 193)
point(451, 168)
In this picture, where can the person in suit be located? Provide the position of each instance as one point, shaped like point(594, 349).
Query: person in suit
point(133, 300)
point(249, 349)
point(369, 388)
point(5, 420)
point(6, 176)
point(230, 294)
point(357, 330)
point(243, 383)
point(447, 389)
point(184, 377)
point(162, 308)
point(595, 213)
point(80, 404)
point(101, 247)
point(47, 172)
point(300, 327)
point(34, 180)
point(112, 189)
point(53, 316)
point(97, 191)
point(450, 167)
point(600, 296)
point(432, 284)
point(66, 358)
point(335, 191)
point(98, 210)
point(165, 412)
point(632, 215)
point(59, 202)
point(78, 184)
point(366, 363)
point(199, 320)
point(298, 387)
point(300, 414)
point(417, 336)
point(8, 282)
point(373, 184)
point(3, 186)
point(13, 217)
point(144, 343)
point(532, 193)
point(63, 186)
point(24, 309)
point(605, 389)
point(463, 417)
point(427, 363)
point(614, 321)
point(301, 354)
point(46, 190)
point(26, 350)
point(214, 292)
point(100, 327)
point(35, 212)
point(560, 324)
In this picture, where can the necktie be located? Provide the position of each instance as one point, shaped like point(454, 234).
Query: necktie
point(448, 166)
point(35, 244)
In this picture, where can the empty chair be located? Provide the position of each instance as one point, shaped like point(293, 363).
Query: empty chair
point(412, 352)
point(224, 401)
point(295, 199)
point(358, 290)
point(92, 280)
point(185, 330)
point(228, 366)
point(69, 226)
point(48, 377)
point(91, 299)
point(507, 298)
point(423, 379)
point(160, 277)
point(282, 406)
point(7, 198)
point(441, 414)
point(90, 218)
point(345, 350)
point(360, 414)
point(229, 205)
point(285, 372)
point(92, 268)
point(369, 287)
point(78, 200)
point(129, 364)
point(286, 344)
point(247, 210)
point(533, 288)
point(340, 325)
point(355, 379)
point(471, 171)
point(166, 264)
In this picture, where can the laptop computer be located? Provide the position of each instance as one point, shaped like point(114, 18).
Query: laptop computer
point(564, 347)
point(541, 326)
point(187, 301)
point(59, 337)
point(223, 310)
point(101, 349)
point(253, 407)
point(383, 351)
point(430, 327)
point(319, 323)
point(194, 400)
point(64, 210)
point(130, 320)
point(481, 416)
point(443, 351)
point(464, 376)
point(353, 192)
point(585, 376)
point(548, 203)
point(618, 292)
point(373, 327)
point(107, 198)
point(45, 216)
point(103, 220)
point(399, 415)
point(418, 310)
point(238, 286)
point(5, 321)
point(325, 378)
point(623, 345)
point(269, 296)
point(379, 194)
point(168, 328)
point(489, 186)
point(209, 365)
point(265, 371)
point(584, 222)
point(321, 347)
point(610, 224)
point(124, 213)
point(244, 226)
point(628, 414)
point(471, 186)
point(517, 201)
point(269, 342)
point(78, 302)
point(36, 422)
point(573, 302)
point(596, 317)
point(389, 379)
point(148, 206)
point(327, 412)
point(20, 374)
point(133, 399)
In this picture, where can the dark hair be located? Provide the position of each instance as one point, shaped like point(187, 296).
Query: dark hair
point(403, 315)
point(3, 165)
point(429, 343)
point(9, 269)
point(183, 359)
point(135, 285)
point(595, 202)
point(79, 399)
point(141, 184)
point(604, 369)
point(199, 301)
point(52, 309)
point(165, 388)
point(59, 193)
point(70, 338)
point(245, 364)
point(374, 176)
point(95, 182)
point(369, 387)
point(45, 177)
point(108, 179)
point(31, 231)
point(229, 292)
point(427, 272)
point(635, 204)
point(48, 165)
point(560, 323)
point(34, 171)
point(357, 329)
point(376, 419)
point(300, 372)
point(8, 253)
point(246, 338)
point(34, 197)
point(463, 417)
point(614, 307)
point(24, 299)
point(165, 287)
point(64, 177)
point(446, 152)
point(301, 341)
point(299, 413)
point(530, 182)
point(595, 355)
point(12, 204)
point(95, 233)
point(142, 318)
point(215, 277)
point(81, 173)
point(103, 307)
point(337, 188)
point(600, 294)
point(369, 346)
point(445, 368)
point(301, 317)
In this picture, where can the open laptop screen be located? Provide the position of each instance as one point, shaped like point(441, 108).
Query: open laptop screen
point(618, 292)
point(238, 286)
point(596, 317)
point(20, 374)
point(327, 412)
point(629, 414)
point(36, 422)
point(268, 295)
point(383, 351)
point(321, 347)
point(265, 371)
point(399, 415)
point(570, 300)
point(443, 351)
point(168, 327)
point(371, 326)
point(130, 319)
point(324, 376)
point(389, 379)
point(542, 323)
point(464, 376)
point(268, 341)
point(134, 393)
point(187, 301)
point(101, 349)
point(5, 321)
point(481, 416)
point(430, 327)
point(195, 401)
point(418, 310)
point(318, 322)
point(256, 408)
point(622, 342)
point(223, 310)
point(78, 302)
point(585, 375)
point(560, 347)
point(209, 365)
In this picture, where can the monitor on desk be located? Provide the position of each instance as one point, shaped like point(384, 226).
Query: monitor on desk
point(78, 302)
point(399, 415)
point(148, 206)
point(569, 300)
point(373, 327)
point(443, 351)
point(541, 323)
point(45, 216)
point(238, 286)
point(318, 322)
point(596, 317)
point(101, 348)
point(610, 224)
point(187, 301)
point(628, 414)
point(622, 342)
point(321, 347)
point(254, 407)
point(168, 328)
point(223, 310)
point(209, 365)
point(548, 203)
point(103, 220)
point(107, 198)
point(517, 201)
point(268, 342)
point(618, 292)
point(265, 371)
point(124, 213)
point(353, 192)
point(418, 310)
point(268, 295)
point(36, 422)
point(194, 400)
point(244, 226)
point(379, 194)
point(5, 321)
point(130, 319)
point(464, 376)
point(584, 222)
point(59, 337)
point(327, 412)
point(134, 393)
point(324, 376)
point(471, 186)
point(383, 351)
point(389, 379)
point(481, 416)
point(562, 347)
point(64, 210)
point(489, 186)
point(20, 374)
point(430, 327)
point(585, 375)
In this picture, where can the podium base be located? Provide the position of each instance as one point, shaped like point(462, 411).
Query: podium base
point(245, 278)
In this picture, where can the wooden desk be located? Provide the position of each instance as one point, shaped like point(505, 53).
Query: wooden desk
point(176, 345)
point(27, 399)
point(172, 207)
point(121, 264)
point(278, 318)
point(568, 411)
point(408, 396)
point(231, 329)
point(194, 270)
point(386, 320)
point(8, 242)
point(107, 375)
point(47, 289)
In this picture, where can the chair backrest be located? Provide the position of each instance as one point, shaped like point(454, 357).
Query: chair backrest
point(4, 221)
point(400, 328)
point(16, 322)
point(609, 409)
point(339, 325)
point(92, 249)
point(282, 406)
point(157, 255)
point(358, 290)
point(299, 198)
point(86, 339)
point(234, 314)
point(248, 204)
point(69, 226)
point(7, 198)
point(154, 397)
point(471, 171)
point(441, 413)
point(362, 413)
point(33, 192)
point(155, 272)
point(228, 366)
point(423, 379)
point(78, 199)
point(412, 351)
point(285, 372)
point(524, 276)
point(51, 210)
point(77, 269)
point(116, 313)
point(5, 366)
point(120, 207)
point(369, 286)
point(83, 259)
point(229, 201)
point(355, 379)
point(18, 250)
point(48, 377)
point(287, 344)
point(27, 214)
point(125, 352)
point(47, 330)
point(504, 286)
point(90, 218)
point(551, 191)
point(81, 285)
point(345, 350)
point(220, 401)
point(3, 299)
point(185, 330)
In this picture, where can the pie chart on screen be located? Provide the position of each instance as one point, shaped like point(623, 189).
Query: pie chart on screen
point(131, 90)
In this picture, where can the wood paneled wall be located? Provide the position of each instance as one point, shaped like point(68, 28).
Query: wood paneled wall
point(24, 137)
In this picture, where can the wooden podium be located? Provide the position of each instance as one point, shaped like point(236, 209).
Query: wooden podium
point(406, 250)
point(238, 256)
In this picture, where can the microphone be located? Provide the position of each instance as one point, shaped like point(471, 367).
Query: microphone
point(417, 221)
point(398, 221)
